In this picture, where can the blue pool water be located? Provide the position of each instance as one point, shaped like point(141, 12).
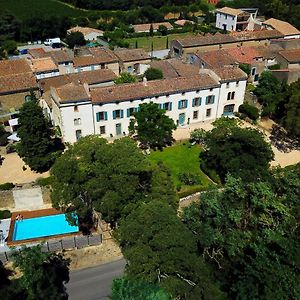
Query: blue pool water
point(42, 227)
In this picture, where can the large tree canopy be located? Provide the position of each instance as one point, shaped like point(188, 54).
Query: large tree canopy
point(153, 127)
point(36, 147)
point(241, 152)
point(108, 177)
point(249, 234)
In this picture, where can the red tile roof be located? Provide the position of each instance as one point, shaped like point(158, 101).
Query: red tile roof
point(136, 91)
point(127, 55)
point(283, 27)
point(10, 67)
point(71, 93)
point(17, 83)
point(230, 73)
point(146, 27)
point(216, 58)
point(246, 55)
point(291, 55)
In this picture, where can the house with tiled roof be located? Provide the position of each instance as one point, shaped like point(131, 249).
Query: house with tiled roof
point(146, 27)
point(285, 28)
point(289, 59)
point(44, 67)
point(107, 111)
point(133, 61)
point(90, 34)
point(232, 19)
point(94, 59)
point(16, 82)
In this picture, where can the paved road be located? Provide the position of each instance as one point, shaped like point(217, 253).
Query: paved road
point(94, 283)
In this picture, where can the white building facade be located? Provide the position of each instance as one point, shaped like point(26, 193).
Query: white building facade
point(111, 118)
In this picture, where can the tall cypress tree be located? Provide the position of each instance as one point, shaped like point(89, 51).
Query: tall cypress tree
point(36, 146)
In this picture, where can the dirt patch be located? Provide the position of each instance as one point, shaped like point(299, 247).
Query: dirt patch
point(94, 255)
point(46, 195)
point(7, 199)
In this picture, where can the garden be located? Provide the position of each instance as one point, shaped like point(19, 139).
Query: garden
point(182, 159)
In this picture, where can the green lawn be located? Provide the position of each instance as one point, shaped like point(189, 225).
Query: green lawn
point(159, 42)
point(181, 158)
point(25, 9)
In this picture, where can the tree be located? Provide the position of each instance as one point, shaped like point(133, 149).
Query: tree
point(153, 74)
point(125, 77)
point(36, 147)
point(198, 136)
point(75, 39)
point(165, 252)
point(242, 152)
point(43, 274)
point(153, 127)
point(291, 120)
point(163, 30)
point(248, 233)
point(128, 289)
point(151, 30)
point(92, 175)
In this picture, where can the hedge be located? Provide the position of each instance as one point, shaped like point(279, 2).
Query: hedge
point(250, 111)
point(5, 214)
point(6, 186)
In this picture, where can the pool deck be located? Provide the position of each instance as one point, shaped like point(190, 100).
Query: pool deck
point(30, 215)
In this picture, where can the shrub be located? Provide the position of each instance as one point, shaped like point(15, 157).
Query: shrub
point(153, 74)
point(249, 110)
point(44, 181)
point(198, 136)
point(5, 214)
point(189, 178)
point(6, 186)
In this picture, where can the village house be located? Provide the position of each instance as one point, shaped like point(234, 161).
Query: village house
point(146, 27)
point(232, 19)
point(16, 82)
point(133, 61)
point(96, 58)
point(182, 47)
point(289, 59)
point(80, 111)
point(44, 67)
point(90, 34)
point(285, 28)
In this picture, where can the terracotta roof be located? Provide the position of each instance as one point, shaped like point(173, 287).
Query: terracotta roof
point(85, 30)
point(127, 55)
point(233, 37)
point(246, 55)
point(292, 55)
point(216, 58)
point(183, 22)
point(230, 73)
point(89, 77)
point(283, 27)
point(146, 27)
point(165, 67)
point(136, 91)
point(183, 69)
point(96, 56)
point(37, 52)
point(43, 64)
point(72, 92)
point(10, 67)
point(230, 11)
point(17, 82)
point(59, 56)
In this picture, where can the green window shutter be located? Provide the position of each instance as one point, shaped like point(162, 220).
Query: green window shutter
point(185, 103)
point(128, 112)
point(136, 109)
point(97, 116)
point(170, 106)
point(121, 113)
point(213, 99)
point(114, 115)
point(193, 103)
point(200, 101)
point(179, 104)
point(206, 101)
point(161, 106)
point(105, 116)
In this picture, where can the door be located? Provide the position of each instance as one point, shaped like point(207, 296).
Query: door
point(181, 119)
point(118, 129)
point(78, 134)
point(228, 110)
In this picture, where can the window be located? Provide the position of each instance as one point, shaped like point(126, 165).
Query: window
point(131, 111)
point(167, 106)
point(210, 99)
point(101, 116)
point(77, 121)
point(227, 85)
point(129, 69)
point(75, 108)
point(230, 96)
point(253, 71)
point(118, 114)
point(195, 114)
point(182, 104)
point(208, 112)
point(183, 93)
point(197, 101)
point(102, 66)
point(225, 17)
point(102, 129)
point(78, 134)
point(237, 83)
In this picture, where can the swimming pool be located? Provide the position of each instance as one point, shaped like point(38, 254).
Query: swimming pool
point(42, 227)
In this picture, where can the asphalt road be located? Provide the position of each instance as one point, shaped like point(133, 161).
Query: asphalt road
point(94, 283)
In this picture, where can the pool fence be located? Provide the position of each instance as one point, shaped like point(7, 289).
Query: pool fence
point(66, 243)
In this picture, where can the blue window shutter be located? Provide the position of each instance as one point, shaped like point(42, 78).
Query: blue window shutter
point(161, 106)
point(206, 101)
point(193, 103)
point(128, 112)
point(170, 106)
point(121, 113)
point(213, 99)
point(136, 109)
point(186, 103)
point(179, 104)
point(98, 116)
point(105, 116)
point(114, 115)
point(200, 101)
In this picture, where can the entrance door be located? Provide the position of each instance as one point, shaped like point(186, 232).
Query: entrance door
point(181, 119)
point(228, 110)
point(118, 129)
